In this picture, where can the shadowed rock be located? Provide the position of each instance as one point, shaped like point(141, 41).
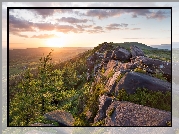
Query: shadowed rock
point(154, 65)
point(133, 80)
point(121, 54)
point(122, 113)
point(107, 56)
point(62, 117)
point(136, 51)
point(104, 101)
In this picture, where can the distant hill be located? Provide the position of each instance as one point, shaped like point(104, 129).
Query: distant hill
point(127, 45)
point(162, 46)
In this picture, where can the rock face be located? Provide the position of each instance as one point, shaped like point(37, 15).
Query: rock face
point(121, 54)
point(136, 51)
point(107, 56)
point(104, 101)
point(62, 117)
point(122, 113)
point(133, 80)
point(153, 65)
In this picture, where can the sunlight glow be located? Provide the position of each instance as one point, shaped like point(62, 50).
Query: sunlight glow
point(55, 42)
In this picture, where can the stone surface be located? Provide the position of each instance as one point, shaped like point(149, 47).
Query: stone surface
point(155, 65)
point(130, 114)
point(133, 80)
point(62, 117)
point(107, 56)
point(136, 51)
point(104, 101)
point(121, 54)
point(110, 66)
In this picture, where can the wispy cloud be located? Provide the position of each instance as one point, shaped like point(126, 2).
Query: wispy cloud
point(115, 26)
point(135, 28)
point(106, 13)
point(72, 20)
point(42, 36)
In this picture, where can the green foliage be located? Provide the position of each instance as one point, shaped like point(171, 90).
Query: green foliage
point(140, 70)
point(119, 77)
point(159, 75)
point(155, 99)
point(111, 111)
point(110, 74)
point(99, 123)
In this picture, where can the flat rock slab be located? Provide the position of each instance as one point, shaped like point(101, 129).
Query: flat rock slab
point(130, 114)
point(62, 117)
point(133, 80)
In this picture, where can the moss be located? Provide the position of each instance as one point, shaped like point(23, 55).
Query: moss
point(99, 123)
point(110, 74)
point(140, 70)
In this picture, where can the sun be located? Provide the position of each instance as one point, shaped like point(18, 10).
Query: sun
point(55, 42)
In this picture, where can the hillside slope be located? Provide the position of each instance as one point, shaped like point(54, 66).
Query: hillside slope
point(100, 87)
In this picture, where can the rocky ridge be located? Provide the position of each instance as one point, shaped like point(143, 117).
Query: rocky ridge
point(124, 69)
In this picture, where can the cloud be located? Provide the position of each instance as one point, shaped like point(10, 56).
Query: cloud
point(106, 13)
point(96, 29)
point(65, 28)
point(41, 36)
point(45, 26)
point(159, 15)
point(49, 12)
point(135, 28)
point(133, 38)
point(115, 26)
point(72, 20)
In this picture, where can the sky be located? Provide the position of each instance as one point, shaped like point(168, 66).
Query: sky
point(87, 27)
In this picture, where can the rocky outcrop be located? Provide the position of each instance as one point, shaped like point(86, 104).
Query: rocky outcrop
point(136, 51)
point(62, 117)
point(133, 80)
point(107, 56)
point(121, 54)
point(155, 66)
point(104, 101)
point(122, 113)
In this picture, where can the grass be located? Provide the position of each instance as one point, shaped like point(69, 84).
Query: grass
point(154, 99)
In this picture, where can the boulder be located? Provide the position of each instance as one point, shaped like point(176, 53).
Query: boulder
point(111, 84)
point(126, 66)
point(104, 101)
point(110, 66)
point(133, 80)
point(122, 113)
point(155, 66)
point(62, 117)
point(136, 51)
point(107, 56)
point(121, 54)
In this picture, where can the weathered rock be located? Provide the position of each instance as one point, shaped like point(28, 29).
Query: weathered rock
point(62, 117)
point(111, 84)
point(121, 54)
point(107, 56)
point(136, 51)
point(155, 66)
point(133, 80)
point(104, 101)
point(110, 66)
point(122, 113)
point(125, 66)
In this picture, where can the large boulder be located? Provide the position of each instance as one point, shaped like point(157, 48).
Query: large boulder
point(133, 80)
point(107, 56)
point(136, 51)
point(104, 101)
point(156, 66)
point(62, 117)
point(122, 113)
point(121, 54)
